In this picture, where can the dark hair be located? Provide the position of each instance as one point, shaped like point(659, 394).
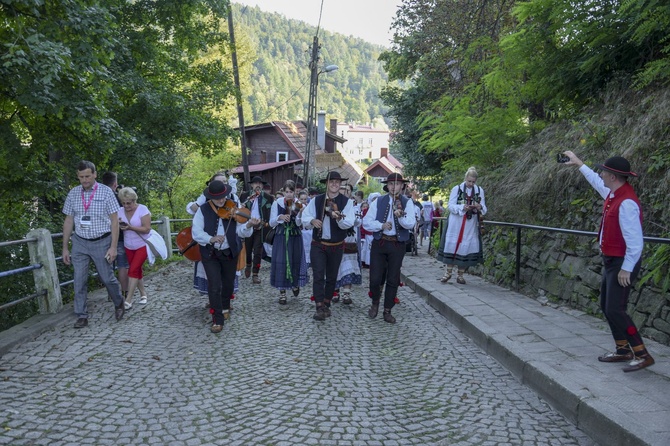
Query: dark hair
point(359, 193)
point(83, 165)
point(109, 178)
point(290, 185)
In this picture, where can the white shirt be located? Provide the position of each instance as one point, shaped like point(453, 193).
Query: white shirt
point(629, 220)
point(199, 235)
point(371, 224)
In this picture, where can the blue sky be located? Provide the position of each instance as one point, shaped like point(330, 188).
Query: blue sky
point(367, 19)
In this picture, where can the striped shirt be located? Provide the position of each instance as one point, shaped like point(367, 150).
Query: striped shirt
point(95, 205)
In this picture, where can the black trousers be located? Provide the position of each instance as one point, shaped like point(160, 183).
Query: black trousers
point(385, 262)
point(614, 301)
point(325, 261)
point(220, 268)
point(254, 245)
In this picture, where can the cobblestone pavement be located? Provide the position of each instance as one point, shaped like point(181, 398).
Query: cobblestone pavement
point(273, 376)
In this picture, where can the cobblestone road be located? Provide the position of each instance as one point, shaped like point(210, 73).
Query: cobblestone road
point(272, 377)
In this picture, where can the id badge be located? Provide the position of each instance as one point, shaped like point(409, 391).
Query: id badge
point(85, 221)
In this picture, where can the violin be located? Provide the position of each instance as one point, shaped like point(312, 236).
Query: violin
point(331, 207)
point(398, 205)
point(293, 206)
point(229, 210)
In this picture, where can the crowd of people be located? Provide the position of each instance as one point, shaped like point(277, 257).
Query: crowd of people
point(335, 234)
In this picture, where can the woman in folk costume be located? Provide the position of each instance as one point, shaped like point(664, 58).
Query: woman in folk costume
point(288, 269)
point(219, 237)
point(349, 272)
point(461, 244)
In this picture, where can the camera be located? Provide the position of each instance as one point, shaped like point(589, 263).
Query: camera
point(560, 158)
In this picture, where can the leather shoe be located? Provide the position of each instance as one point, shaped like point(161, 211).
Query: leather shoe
point(388, 317)
point(247, 271)
point(216, 328)
point(616, 357)
point(374, 309)
point(320, 315)
point(119, 312)
point(256, 279)
point(639, 363)
point(296, 291)
point(81, 323)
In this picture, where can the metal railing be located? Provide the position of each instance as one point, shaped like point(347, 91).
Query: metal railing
point(43, 264)
point(519, 227)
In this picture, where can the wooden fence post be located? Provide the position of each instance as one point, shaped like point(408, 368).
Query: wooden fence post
point(166, 233)
point(46, 277)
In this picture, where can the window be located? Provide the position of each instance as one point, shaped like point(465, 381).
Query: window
point(282, 156)
point(370, 142)
point(360, 142)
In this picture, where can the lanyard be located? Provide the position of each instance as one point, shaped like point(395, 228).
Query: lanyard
point(90, 199)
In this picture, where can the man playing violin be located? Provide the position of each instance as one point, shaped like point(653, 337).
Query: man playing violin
point(259, 203)
point(389, 218)
point(218, 233)
point(330, 214)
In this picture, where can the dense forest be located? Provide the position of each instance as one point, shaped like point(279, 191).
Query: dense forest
point(146, 89)
point(505, 86)
point(278, 86)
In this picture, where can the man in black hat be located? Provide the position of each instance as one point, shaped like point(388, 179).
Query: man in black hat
point(330, 215)
point(220, 244)
point(390, 218)
point(259, 203)
point(621, 241)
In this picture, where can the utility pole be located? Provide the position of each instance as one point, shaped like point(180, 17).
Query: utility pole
point(311, 110)
point(238, 98)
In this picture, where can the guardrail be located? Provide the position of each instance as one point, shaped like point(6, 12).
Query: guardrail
point(519, 227)
point(43, 264)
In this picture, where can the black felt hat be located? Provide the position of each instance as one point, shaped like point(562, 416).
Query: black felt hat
point(333, 175)
point(217, 190)
point(617, 165)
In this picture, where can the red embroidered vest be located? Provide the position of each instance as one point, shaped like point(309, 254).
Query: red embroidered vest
point(613, 243)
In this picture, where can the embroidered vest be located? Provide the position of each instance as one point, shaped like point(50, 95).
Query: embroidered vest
point(463, 197)
point(336, 233)
point(383, 210)
point(613, 243)
point(212, 225)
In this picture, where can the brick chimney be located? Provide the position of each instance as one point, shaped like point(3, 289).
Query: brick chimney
point(333, 126)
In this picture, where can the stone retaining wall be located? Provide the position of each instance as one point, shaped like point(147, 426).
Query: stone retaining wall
point(566, 270)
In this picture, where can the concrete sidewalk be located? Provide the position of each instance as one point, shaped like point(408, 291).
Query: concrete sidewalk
point(554, 352)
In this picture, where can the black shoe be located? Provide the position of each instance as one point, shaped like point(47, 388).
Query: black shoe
point(119, 312)
point(387, 317)
point(282, 299)
point(374, 309)
point(81, 323)
point(320, 315)
point(346, 300)
point(296, 291)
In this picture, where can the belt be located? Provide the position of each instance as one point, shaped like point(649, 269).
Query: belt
point(393, 238)
point(107, 234)
point(331, 243)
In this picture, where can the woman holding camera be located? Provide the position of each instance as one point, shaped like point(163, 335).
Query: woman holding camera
point(134, 221)
point(461, 244)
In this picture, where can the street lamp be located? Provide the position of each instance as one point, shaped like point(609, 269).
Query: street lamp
point(311, 111)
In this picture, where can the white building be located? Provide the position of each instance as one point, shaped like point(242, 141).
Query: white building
point(362, 141)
